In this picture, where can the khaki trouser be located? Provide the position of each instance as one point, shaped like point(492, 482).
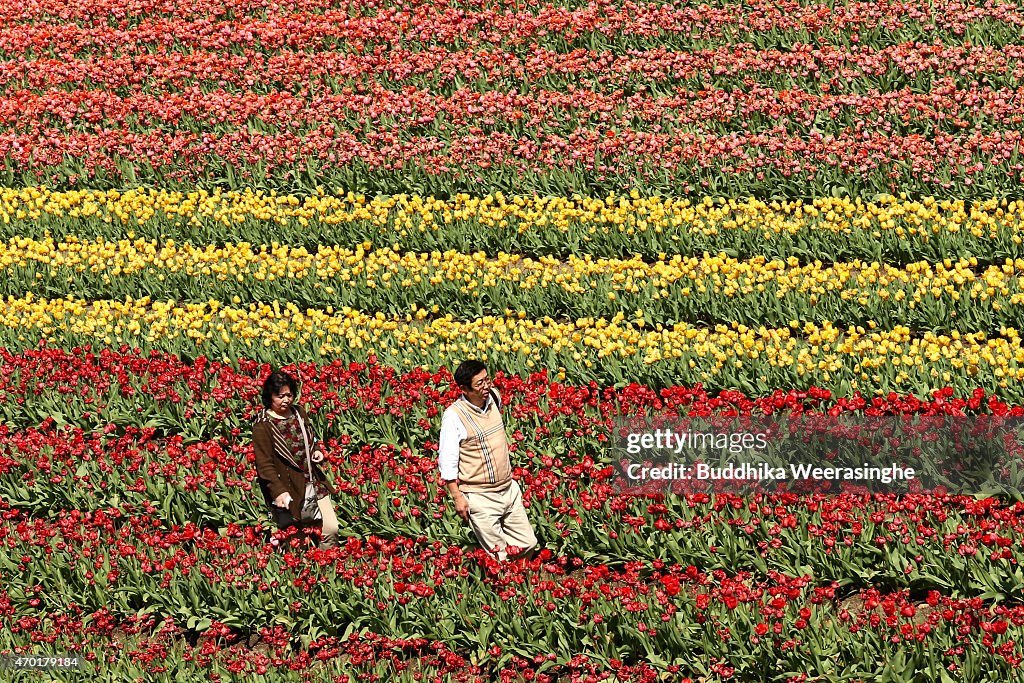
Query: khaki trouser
point(499, 520)
point(329, 532)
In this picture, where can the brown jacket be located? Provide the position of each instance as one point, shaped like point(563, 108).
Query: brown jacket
point(279, 473)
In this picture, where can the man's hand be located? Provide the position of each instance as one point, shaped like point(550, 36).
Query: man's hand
point(461, 502)
point(284, 500)
point(462, 507)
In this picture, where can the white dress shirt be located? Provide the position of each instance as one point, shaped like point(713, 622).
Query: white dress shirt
point(453, 432)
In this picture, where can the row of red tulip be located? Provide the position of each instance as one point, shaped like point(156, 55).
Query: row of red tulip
point(951, 543)
point(822, 68)
point(84, 385)
point(559, 436)
point(587, 157)
point(323, 25)
point(944, 107)
point(653, 611)
point(148, 645)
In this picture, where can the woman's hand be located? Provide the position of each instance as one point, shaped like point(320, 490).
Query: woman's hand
point(284, 500)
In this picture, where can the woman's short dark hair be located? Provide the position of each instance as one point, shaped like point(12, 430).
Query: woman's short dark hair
point(466, 371)
point(276, 381)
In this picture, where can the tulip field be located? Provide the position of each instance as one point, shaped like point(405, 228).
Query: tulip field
point(623, 207)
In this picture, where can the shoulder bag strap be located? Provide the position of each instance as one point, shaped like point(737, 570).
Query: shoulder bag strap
point(305, 445)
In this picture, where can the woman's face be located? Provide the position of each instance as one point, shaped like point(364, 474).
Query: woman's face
point(281, 401)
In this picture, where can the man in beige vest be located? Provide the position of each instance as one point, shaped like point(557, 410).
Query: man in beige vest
point(473, 458)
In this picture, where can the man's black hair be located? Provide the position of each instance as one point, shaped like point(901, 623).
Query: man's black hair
point(276, 381)
point(466, 371)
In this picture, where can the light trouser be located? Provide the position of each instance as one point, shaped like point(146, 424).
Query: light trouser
point(329, 533)
point(499, 520)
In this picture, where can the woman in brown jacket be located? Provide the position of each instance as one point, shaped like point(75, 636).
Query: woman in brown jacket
point(286, 450)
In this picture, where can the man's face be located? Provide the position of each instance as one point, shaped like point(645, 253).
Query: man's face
point(478, 387)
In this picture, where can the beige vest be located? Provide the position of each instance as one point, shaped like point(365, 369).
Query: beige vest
point(483, 455)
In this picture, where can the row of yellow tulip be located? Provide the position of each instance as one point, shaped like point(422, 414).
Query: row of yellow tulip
point(387, 267)
point(754, 359)
point(620, 224)
point(948, 295)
